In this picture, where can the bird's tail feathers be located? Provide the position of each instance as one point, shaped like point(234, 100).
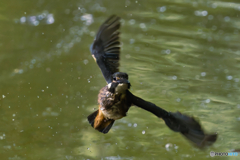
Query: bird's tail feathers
point(99, 122)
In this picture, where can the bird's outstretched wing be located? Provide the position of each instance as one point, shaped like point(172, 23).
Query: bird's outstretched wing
point(105, 48)
point(177, 122)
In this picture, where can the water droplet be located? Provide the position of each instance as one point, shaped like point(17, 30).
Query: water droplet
point(229, 77)
point(23, 19)
point(85, 61)
point(168, 146)
point(142, 25)
point(238, 106)
point(131, 21)
point(236, 79)
point(207, 100)
point(131, 41)
point(201, 13)
point(214, 5)
point(178, 99)
point(174, 77)
point(161, 9)
point(210, 17)
point(203, 74)
point(88, 18)
point(226, 19)
point(204, 13)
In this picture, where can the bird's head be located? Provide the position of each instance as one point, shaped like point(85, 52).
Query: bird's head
point(119, 83)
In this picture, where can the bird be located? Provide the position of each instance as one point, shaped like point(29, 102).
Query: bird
point(115, 99)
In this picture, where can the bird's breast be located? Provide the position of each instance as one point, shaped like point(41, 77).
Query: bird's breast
point(113, 105)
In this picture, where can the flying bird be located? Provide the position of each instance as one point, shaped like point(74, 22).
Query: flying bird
point(115, 99)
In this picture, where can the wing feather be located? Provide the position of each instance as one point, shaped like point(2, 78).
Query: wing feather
point(105, 48)
point(186, 125)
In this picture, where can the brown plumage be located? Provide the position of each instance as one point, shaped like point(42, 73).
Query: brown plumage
point(113, 103)
point(115, 99)
point(99, 122)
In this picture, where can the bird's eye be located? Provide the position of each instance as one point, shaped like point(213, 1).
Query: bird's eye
point(114, 79)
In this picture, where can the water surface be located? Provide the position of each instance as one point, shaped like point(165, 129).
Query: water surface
point(182, 55)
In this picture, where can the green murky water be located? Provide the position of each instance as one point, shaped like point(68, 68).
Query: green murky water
point(181, 55)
